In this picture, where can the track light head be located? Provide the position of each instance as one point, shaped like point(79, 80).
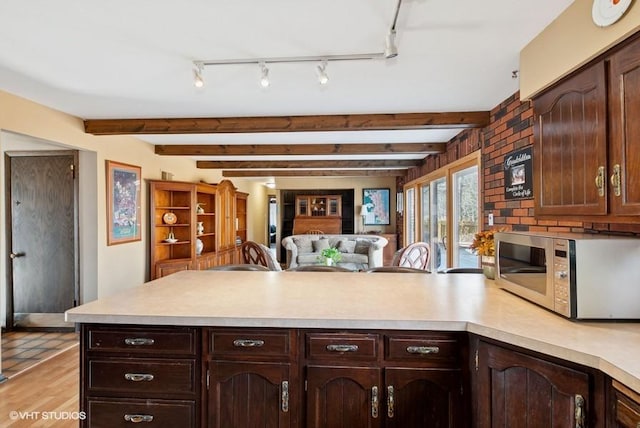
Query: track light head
point(264, 75)
point(323, 79)
point(198, 81)
point(390, 49)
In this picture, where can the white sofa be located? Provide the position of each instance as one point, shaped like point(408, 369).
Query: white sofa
point(359, 252)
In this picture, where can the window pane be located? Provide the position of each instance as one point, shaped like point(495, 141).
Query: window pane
point(426, 203)
point(465, 218)
point(439, 223)
point(410, 216)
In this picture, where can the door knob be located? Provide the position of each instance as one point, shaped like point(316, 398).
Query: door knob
point(15, 255)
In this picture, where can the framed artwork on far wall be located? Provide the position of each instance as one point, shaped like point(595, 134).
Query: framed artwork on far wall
point(376, 202)
point(123, 202)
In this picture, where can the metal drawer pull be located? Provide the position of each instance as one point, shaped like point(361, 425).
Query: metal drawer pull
point(616, 181)
point(423, 350)
point(342, 348)
point(136, 419)
point(374, 402)
point(138, 377)
point(579, 411)
point(248, 343)
point(600, 181)
point(138, 341)
point(390, 401)
point(285, 396)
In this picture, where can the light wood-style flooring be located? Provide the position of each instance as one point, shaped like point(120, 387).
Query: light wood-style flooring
point(44, 396)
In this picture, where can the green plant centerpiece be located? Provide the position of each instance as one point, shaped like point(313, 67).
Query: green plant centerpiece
point(330, 256)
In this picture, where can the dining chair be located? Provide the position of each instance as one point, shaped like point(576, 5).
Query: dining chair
point(241, 267)
point(414, 255)
point(318, 268)
point(395, 269)
point(461, 270)
point(314, 232)
point(253, 254)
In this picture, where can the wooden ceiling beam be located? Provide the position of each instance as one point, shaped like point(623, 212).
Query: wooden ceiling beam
point(343, 122)
point(297, 149)
point(316, 173)
point(310, 164)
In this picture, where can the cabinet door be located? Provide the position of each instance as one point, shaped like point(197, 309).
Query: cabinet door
point(624, 107)
point(423, 398)
point(249, 395)
point(518, 390)
point(570, 151)
point(343, 397)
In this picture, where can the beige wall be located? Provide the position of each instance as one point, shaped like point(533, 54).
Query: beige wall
point(104, 269)
point(569, 42)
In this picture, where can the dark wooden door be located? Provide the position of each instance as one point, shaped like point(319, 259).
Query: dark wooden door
point(344, 397)
point(518, 390)
point(417, 398)
point(624, 108)
point(250, 395)
point(570, 151)
point(43, 237)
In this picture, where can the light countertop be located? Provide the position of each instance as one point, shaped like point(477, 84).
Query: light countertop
point(454, 302)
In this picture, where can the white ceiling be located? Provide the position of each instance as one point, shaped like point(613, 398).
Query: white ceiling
point(133, 59)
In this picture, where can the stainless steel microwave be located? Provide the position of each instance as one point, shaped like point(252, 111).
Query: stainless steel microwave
point(579, 276)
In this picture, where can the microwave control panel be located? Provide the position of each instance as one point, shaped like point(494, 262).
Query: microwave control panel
point(561, 276)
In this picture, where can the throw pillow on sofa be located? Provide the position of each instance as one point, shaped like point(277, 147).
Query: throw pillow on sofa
point(320, 244)
point(346, 246)
point(362, 246)
point(304, 244)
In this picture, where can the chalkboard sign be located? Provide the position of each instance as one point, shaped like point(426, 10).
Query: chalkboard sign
point(518, 174)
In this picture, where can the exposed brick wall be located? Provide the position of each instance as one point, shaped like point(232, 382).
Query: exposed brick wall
point(510, 128)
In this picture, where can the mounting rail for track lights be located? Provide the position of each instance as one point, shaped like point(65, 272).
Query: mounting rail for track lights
point(390, 51)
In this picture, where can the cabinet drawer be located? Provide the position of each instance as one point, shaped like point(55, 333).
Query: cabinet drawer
point(627, 406)
point(420, 348)
point(149, 413)
point(143, 377)
point(627, 412)
point(342, 346)
point(250, 342)
point(143, 341)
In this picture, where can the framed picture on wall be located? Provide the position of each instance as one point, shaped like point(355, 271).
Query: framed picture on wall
point(375, 206)
point(123, 202)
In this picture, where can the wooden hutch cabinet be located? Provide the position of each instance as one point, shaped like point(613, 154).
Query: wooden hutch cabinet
point(318, 212)
point(194, 225)
point(585, 158)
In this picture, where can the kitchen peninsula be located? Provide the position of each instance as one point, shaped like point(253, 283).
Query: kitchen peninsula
point(175, 345)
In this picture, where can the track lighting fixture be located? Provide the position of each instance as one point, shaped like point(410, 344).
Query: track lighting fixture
point(264, 75)
point(323, 79)
point(390, 51)
point(198, 81)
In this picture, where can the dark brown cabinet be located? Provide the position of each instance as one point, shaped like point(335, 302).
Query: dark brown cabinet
point(140, 374)
point(570, 153)
point(271, 377)
point(390, 380)
point(585, 131)
point(517, 389)
point(251, 378)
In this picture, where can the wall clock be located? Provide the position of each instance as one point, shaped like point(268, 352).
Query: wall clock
point(606, 12)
